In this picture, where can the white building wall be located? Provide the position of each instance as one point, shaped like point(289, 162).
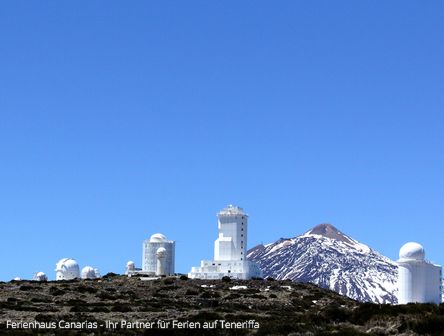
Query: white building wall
point(419, 281)
point(232, 223)
point(212, 269)
point(223, 248)
point(149, 257)
point(405, 283)
point(432, 282)
point(161, 266)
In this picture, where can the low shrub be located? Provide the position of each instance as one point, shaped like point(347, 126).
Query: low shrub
point(87, 289)
point(191, 292)
point(56, 291)
point(110, 275)
point(168, 281)
point(430, 325)
point(26, 288)
point(121, 308)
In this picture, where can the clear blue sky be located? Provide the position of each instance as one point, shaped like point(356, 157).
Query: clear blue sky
point(120, 120)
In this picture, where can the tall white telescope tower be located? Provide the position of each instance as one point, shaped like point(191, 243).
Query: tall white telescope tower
point(232, 234)
point(418, 280)
point(230, 249)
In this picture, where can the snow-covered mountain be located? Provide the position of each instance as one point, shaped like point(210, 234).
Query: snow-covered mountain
point(327, 257)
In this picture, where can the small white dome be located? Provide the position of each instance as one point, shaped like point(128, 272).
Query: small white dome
point(412, 251)
point(40, 276)
point(158, 238)
point(17, 279)
point(88, 273)
point(130, 266)
point(161, 252)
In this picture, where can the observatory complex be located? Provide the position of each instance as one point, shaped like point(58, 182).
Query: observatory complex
point(157, 259)
point(68, 269)
point(418, 280)
point(230, 249)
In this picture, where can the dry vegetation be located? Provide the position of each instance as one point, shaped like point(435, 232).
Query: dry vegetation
point(280, 307)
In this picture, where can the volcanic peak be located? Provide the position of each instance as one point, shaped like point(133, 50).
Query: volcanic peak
point(329, 231)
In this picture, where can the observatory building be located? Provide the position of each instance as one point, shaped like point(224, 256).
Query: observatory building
point(40, 276)
point(157, 258)
point(67, 269)
point(418, 280)
point(230, 249)
point(158, 255)
point(130, 267)
point(89, 273)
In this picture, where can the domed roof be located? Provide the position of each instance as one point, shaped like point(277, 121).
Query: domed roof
point(40, 276)
point(66, 263)
point(67, 269)
point(412, 251)
point(158, 238)
point(130, 263)
point(88, 273)
point(161, 251)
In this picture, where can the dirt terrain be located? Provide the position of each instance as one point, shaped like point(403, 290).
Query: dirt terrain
point(180, 306)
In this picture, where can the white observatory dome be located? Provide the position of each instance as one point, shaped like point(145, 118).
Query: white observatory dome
point(161, 252)
point(130, 266)
point(67, 269)
point(88, 273)
point(158, 238)
point(40, 276)
point(412, 251)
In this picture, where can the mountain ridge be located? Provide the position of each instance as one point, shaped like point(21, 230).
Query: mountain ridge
point(330, 259)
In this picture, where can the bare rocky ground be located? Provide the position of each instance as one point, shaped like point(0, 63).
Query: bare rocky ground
point(278, 308)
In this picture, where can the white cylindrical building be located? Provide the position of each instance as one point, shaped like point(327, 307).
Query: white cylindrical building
point(161, 255)
point(150, 258)
point(418, 280)
point(130, 267)
point(67, 269)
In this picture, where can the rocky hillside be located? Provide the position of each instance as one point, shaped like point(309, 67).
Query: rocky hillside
point(327, 257)
point(130, 306)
